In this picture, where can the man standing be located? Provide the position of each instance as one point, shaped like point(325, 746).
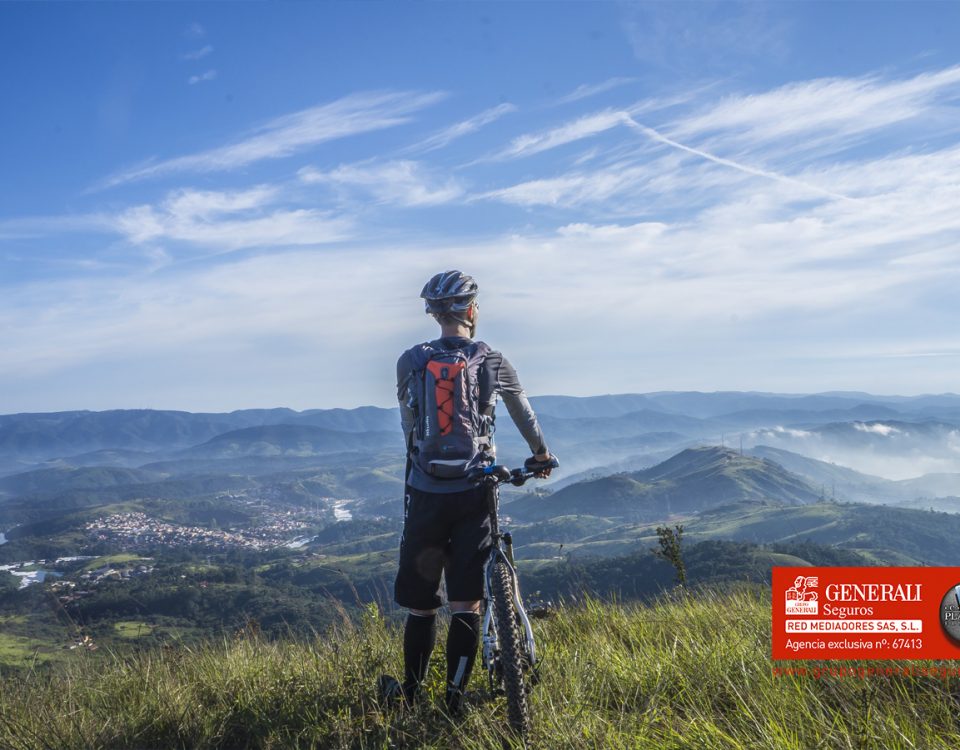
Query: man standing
point(447, 390)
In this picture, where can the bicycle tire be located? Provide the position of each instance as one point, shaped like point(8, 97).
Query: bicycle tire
point(511, 650)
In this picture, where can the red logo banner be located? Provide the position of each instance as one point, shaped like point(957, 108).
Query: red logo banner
point(866, 613)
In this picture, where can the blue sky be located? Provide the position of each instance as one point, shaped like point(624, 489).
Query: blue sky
point(211, 206)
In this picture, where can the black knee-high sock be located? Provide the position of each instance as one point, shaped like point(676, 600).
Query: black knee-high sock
point(419, 637)
point(462, 643)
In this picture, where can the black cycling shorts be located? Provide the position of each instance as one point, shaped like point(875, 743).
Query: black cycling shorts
point(445, 533)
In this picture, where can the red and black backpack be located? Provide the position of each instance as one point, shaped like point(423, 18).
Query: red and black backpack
point(451, 433)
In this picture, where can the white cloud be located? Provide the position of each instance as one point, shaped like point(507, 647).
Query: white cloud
point(572, 189)
point(404, 183)
point(584, 127)
point(447, 135)
point(786, 431)
point(194, 30)
point(289, 134)
point(876, 428)
point(199, 53)
point(209, 219)
point(209, 75)
point(705, 304)
point(586, 90)
point(835, 106)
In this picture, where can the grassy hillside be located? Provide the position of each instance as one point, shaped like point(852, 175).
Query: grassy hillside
point(689, 671)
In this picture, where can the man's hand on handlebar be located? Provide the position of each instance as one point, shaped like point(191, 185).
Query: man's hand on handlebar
point(541, 458)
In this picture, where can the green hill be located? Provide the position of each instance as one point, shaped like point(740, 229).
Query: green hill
point(694, 480)
point(880, 533)
point(687, 671)
point(63, 478)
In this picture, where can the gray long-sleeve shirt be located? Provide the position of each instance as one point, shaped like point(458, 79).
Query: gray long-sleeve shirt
point(497, 379)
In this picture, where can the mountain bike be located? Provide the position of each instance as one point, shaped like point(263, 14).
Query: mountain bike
point(509, 653)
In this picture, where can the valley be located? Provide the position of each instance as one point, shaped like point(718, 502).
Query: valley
point(197, 524)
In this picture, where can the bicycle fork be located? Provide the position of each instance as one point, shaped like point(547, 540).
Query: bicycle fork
point(491, 646)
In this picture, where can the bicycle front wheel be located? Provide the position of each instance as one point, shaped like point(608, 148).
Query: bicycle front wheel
point(511, 649)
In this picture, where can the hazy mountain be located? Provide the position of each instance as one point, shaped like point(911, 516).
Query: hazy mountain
point(289, 440)
point(361, 419)
point(624, 425)
point(65, 433)
point(58, 434)
point(796, 417)
point(893, 449)
point(691, 481)
point(931, 485)
point(833, 480)
point(571, 407)
point(848, 484)
point(709, 405)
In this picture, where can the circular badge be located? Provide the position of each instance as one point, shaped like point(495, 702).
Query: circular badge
point(950, 613)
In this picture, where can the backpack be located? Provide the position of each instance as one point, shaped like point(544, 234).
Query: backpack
point(451, 434)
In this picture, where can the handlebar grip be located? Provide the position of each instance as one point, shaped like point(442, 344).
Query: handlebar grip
point(531, 464)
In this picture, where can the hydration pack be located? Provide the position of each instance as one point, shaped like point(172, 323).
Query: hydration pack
point(451, 433)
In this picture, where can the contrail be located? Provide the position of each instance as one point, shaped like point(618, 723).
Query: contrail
point(659, 137)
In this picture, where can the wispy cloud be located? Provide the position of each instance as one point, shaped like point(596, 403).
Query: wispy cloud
point(403, 183)
point(447, 135)
point(209, 219)
point(575, 189)
point(837, 107)
point(194, 31)
point(747, 169)
point(761, 129)
point(289, 134)
point(206, 76)
point(197, 54)
point(586, 90)
point(584, 127)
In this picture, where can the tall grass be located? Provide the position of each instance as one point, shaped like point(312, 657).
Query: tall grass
point(691, 670)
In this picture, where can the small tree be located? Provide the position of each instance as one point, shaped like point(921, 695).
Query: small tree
point(669, 550)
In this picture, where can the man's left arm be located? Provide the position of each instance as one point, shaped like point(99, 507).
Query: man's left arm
point(521, 412)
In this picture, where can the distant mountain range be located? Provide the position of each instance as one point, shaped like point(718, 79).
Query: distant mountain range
point(60, 434)
point(878, 436)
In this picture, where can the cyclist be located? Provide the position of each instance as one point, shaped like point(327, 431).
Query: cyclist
point(446, 521)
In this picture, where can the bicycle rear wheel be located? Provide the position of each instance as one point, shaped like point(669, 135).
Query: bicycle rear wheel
point(511, 649)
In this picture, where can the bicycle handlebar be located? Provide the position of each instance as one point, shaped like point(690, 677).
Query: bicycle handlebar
point(499, 474)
